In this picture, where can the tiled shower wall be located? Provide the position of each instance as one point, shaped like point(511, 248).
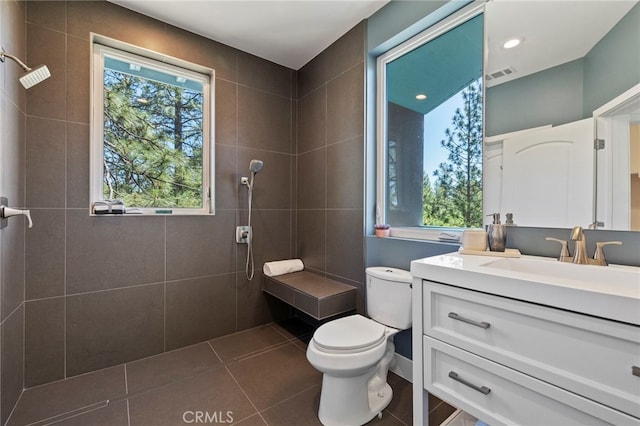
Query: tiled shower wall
point(330, 148)
point(12, 238)
point(102, 291)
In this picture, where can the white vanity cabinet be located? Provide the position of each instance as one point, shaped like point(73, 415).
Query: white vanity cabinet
point(508, 361)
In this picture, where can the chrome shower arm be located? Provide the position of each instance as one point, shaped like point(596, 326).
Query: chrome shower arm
point(4, 54)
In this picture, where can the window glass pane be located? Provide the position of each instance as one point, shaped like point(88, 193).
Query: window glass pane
point(153, 136)
point(434, 131)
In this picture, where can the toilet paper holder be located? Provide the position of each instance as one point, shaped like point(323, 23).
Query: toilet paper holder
point(7, 212)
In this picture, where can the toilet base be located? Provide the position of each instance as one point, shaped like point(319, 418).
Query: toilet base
point(343, 402)
point(354, 401)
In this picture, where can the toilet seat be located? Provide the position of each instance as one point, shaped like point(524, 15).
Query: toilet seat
point(350, 334)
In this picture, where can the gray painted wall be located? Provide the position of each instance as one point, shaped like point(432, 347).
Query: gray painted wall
point(570, 91)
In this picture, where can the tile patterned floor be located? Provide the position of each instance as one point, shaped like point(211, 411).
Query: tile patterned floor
point(255, 377)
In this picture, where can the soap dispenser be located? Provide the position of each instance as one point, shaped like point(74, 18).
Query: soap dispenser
point(497, 233)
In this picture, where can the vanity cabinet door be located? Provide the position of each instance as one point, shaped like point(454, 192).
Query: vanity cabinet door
point(502, 396)
point(590, 356)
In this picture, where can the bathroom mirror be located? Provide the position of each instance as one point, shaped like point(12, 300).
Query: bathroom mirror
point(573, 58)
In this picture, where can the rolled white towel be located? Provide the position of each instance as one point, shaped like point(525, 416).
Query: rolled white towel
point(281, 267)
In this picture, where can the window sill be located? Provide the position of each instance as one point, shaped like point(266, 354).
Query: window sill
point(152, 214)
point(448, 235)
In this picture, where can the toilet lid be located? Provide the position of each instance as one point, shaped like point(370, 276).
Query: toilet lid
point(349, 333)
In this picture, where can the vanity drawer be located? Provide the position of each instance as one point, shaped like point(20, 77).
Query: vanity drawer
point(590, 356)
point(502, 396)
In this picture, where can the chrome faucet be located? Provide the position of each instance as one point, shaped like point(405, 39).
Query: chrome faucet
point(580, 255)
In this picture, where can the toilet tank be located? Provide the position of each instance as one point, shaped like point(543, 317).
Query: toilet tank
point(389, 296)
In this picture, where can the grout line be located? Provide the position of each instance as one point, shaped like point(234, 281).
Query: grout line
point(291, 397)
point(126, 380)
point(214, 351)
point(128, 414)
point(245, 395)
point(70, 414)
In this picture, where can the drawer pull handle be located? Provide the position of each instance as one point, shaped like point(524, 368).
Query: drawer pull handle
point(482, 324)
point(482, 389)
point(635, 370)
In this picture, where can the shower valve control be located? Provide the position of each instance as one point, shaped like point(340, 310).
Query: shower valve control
point(242, 234)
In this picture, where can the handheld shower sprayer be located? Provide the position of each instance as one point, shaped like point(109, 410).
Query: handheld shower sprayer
point(32, 76)
point(254, 167)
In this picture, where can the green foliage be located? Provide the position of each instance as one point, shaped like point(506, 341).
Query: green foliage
point(153, 142)
point(455, 199)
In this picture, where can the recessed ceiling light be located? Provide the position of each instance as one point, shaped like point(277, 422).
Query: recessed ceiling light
point(511, 43)
point(421, 97)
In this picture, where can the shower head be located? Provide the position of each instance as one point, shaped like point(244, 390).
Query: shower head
point(35, 76)
point(32, 76)
point(255, 166)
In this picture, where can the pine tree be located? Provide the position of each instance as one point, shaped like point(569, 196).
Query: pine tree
point(152, 142)
point(457, 199)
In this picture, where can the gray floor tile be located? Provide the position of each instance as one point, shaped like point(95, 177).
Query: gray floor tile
point(300, 410)
point(254, 420)
point(401, 405)
point(275, 375)
point(214, 392)
point(68, 395)
point(112, 415)
point(169, 367)
point(237, 345)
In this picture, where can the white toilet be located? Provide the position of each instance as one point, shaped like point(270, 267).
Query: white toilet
point(354, 352)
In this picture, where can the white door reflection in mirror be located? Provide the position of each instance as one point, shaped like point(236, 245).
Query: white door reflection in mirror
point(548, 174)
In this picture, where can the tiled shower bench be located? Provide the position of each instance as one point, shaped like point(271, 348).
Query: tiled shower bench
point(313, 294)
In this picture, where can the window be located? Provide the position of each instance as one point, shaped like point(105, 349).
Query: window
point(430, 131)
point(152, 144)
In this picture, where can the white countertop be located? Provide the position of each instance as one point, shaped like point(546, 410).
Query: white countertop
point(612, 300)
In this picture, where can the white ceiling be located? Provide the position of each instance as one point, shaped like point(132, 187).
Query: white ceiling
point(553, 32)
point(287, 32)
point(292, 32)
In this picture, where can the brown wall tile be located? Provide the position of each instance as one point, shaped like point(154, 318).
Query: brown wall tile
point(44, 341)
point(47, 99)
point(264, 75)
point(108, 19)
point(312, 180)
point(113, 252)
point(344, 244)
point(345, 174)
point(78, 80)
point(312, 121)
point(200, 309)
point(264, 120)
point(272, 189)
point(48, 14)
point(12, 266)
point(226, 126)
point(77, 177)
point(12, 185)
point(200, 245)
point(46, 156)
point(12, 361)
point(45, 254)
point(347, 51)
point(345, 106)
point(108, 328)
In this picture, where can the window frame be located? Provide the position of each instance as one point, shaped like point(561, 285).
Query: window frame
point(101, 45)
point(436, 233)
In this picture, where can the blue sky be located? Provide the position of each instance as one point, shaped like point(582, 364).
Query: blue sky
point(435, 123)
